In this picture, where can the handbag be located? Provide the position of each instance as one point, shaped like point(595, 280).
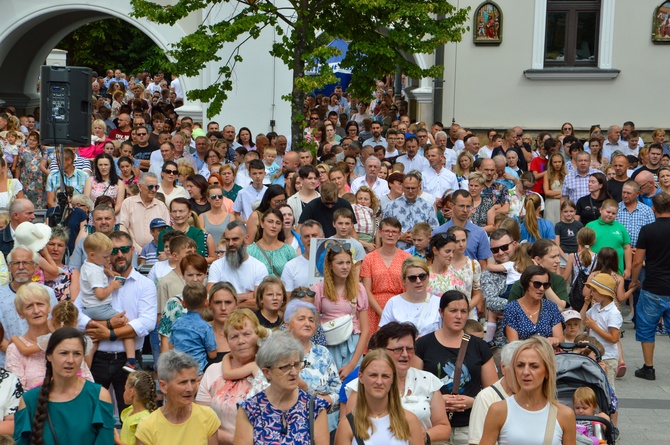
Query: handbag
point(338, 330)
point(456, 382)
point(551, 424)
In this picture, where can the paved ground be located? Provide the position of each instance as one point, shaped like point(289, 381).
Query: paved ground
point(644, 406)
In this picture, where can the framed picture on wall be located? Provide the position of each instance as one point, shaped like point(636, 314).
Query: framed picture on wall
point(660, 32)
point(488, 24)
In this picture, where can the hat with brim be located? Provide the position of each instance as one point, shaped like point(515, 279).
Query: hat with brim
point(34, 236)
point(604, 284)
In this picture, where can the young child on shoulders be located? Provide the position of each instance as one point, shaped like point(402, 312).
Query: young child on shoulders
point(140, 395)
point(421, 234)
point(190, 333)
point(272, 170)
point(96, 289)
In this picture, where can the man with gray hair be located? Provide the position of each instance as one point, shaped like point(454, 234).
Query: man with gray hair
point(22, 264)
point(244, 272)
point(500, 390)
point(138, 211)
point(371, 178)
point(296, 271)
point(20, 210)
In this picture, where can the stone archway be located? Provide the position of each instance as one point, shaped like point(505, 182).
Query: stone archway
point(30, 30)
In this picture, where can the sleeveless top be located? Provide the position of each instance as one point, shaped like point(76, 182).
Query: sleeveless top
point(523, 427)
point(216, 230)
point(382, 434)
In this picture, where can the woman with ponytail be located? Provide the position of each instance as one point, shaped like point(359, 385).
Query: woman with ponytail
point(531, 225)
point(66, 409)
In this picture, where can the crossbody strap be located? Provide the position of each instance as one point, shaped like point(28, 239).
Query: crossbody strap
point(51, 427)
point(311, 419)
point(350, 418)
point(459, 364)
point(551, 424)
point(274, 271)
point(493, 387)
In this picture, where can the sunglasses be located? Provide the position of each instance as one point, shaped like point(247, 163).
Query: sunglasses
point(123, 249)
point(170, 172)
point(153, 187)
point(448, 237)
point(303, 294)
point(544, 284)
point(337, 248)
point(420, 277)
point(219, 196)
point(504, 248)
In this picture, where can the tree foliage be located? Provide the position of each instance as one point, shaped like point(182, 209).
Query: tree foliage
point(112, 43)
point(380, 34)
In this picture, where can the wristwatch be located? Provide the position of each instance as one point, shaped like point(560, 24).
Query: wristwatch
point(112, 336)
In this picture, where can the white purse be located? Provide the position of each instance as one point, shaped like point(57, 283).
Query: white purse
point(338, 330)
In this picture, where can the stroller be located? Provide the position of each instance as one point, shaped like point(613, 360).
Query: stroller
point(574, 371)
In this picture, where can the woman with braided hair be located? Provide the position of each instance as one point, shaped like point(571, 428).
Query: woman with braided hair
point(66, 409)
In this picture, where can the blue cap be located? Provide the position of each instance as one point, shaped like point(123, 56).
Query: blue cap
point(157, 223)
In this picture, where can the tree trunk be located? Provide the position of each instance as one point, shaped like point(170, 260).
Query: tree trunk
point(298, 97)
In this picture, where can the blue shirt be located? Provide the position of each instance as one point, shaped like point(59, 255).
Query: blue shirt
point(150, 253)
point(478, 247)
point(194, 336)
point(633, 221)
point(545, 228)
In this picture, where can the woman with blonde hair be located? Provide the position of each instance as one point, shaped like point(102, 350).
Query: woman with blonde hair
point(532, 415)
point(378, 416)
point(365, 209)
point(533, 227)
point(341, 298)
point(483, 212)
point(553, 186)
point(463, 168)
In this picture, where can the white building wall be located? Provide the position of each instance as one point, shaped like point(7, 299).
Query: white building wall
point(486, 88)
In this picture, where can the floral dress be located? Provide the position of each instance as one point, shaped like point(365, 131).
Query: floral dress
point(103, 188)
point(61, 285)
point(463, 280)
point(173, 311)
point(32, 177)
point(272, 426)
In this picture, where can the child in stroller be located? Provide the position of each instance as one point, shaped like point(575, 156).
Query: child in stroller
point(585, 404)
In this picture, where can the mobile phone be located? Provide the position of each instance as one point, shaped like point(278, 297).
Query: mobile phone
point(121, 279)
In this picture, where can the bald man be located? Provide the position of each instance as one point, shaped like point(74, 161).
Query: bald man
point(291, 161)
point(648, 189)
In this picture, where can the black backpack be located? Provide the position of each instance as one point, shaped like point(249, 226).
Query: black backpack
point(576, 296)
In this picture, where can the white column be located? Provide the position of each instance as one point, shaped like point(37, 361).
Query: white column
point(539, 31)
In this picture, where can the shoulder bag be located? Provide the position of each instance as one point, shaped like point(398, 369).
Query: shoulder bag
point(311, 419)
point(551, 424)
point(350, 418)
point(456, 382)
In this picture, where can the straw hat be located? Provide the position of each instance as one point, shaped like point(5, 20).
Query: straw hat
point(604, 284)
point(34, 236)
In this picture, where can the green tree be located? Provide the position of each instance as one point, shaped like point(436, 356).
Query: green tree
point(379, 32)
point(112, 43)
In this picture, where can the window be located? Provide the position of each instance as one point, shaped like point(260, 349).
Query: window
point(572, 33)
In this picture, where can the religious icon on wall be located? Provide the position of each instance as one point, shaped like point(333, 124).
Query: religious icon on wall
point(661, 24)
point(488, 23)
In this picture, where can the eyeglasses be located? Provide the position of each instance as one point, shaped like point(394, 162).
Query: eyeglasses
point(153, 187)
point(398, 350)
point(22, 263)
point(544, 284)
point(170, 172)
point(219, 196)
point(504, 248)
point(337, 248)
point(448, 237)
point(286, 368)
point(123, 249)
point(391, 232)
point(303, 294)
point(420, 277)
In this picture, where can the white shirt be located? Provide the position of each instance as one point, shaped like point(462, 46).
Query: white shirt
point(438, 183)
point(296, 273)
point(175, 86)
point(450, 158)
point(245, 278)
point(425, 315)
point(607, 317)
point(160, 269)
point(380, 187)
point(92, 277)
point(242, 178)
point(139, 299)
point(485, 152)
point(417, 163)
point(245, 200)
point(609, 148)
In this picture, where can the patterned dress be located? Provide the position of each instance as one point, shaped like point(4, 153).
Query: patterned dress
point(386, 281)
point(32, 177)
point(61, 285)
point(103, 188)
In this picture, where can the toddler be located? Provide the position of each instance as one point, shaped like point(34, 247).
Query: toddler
point(573, 325)
point(585, 404)
point(96, 289)
point(272, 170)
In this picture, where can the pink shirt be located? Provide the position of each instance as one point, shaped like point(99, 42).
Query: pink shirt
point(330, 310)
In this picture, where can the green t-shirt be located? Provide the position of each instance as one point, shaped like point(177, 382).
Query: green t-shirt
point(194, 233)
point(557, 285)
point(612, 235)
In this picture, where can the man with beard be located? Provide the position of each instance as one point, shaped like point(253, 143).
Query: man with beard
point(377, 138)
point(136, 302)
point(245, 273)
point(22, 264)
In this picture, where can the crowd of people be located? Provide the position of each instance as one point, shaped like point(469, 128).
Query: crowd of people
point(444, 268)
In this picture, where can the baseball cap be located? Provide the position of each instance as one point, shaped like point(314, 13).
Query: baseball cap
point(157, 223)
point(571, 314)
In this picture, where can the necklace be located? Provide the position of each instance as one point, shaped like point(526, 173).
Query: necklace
point(527, 311)
point(381, 414)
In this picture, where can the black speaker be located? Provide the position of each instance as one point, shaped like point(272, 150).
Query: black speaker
point(65, 102)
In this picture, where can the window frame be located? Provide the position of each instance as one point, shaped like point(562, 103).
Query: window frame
point(572, 10)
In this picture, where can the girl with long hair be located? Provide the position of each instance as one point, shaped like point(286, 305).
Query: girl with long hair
point(378, 416)
point(340, 294)
point(105, 181)
point(533, 227)
point(270, 248)
point(553, 186)
point(588, 207)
